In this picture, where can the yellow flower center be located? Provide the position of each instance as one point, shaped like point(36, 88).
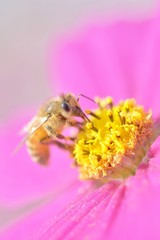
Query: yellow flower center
point(115, 141)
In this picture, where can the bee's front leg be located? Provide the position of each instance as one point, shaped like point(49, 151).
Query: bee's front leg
point(66, 138)
point(74, 123)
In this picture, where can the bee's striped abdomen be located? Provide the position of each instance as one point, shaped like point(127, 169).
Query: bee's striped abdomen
point(38, 150)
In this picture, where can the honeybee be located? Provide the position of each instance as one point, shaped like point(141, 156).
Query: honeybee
point(46, 127)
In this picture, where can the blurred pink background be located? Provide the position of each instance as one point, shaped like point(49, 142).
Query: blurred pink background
point(26, 28)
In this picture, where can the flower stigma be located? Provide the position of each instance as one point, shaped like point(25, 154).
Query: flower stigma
point(115, 141)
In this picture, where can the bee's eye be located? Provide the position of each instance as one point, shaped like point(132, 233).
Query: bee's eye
point(66, 107)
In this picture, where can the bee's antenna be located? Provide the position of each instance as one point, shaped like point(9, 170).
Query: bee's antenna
point(81, 95)
point(84, 115)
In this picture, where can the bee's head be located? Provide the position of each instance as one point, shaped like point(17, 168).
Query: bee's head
point(71, 107)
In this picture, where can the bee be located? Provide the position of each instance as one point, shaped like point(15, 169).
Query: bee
point(47, 126)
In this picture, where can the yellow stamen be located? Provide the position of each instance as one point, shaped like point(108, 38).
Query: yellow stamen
point(114, 142)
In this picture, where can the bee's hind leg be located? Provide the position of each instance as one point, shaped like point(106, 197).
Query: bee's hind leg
point(65, 146)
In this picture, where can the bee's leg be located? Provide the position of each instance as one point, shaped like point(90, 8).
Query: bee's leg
point(64, 146)
point(60, 136)
point(74, 123)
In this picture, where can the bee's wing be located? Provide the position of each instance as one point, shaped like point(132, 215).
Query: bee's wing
point(34, 124)
point(30, 128)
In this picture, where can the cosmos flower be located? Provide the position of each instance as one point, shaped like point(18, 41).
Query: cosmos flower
point(121, 60)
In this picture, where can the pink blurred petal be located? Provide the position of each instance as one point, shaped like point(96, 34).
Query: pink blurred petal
point(21, 179)
point(120, 59)
point(147, 71)
point(33, 222)
point(154, 151)
point(72, 223)
point(118, 210)
point(139, 214)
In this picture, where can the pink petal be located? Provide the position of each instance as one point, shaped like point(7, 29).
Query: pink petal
point(21, 179)
point(73, 222)
point(147, 67)
point(127, 210)
point(139, 213)
point(32, 224)
point(120, 59)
